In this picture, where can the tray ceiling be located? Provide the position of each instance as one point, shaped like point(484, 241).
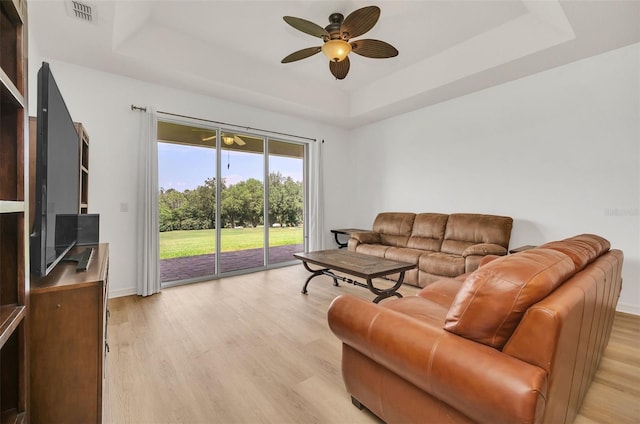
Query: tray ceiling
point(232, 49)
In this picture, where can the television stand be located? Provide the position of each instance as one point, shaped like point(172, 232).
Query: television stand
point(83, 258)
point(68, 332)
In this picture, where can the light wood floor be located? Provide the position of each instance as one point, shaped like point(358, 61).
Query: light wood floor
point(253, 349)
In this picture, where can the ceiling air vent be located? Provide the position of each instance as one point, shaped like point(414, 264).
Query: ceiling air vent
point(82, 10)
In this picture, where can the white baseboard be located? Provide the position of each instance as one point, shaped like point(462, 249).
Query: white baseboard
point(122, 292)
point(628, 308)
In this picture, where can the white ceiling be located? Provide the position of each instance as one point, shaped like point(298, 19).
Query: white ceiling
point(232, 49)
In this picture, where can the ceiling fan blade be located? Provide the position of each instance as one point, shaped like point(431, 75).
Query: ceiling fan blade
point(359, 21)
point(239, 141)
point(301, 54)
point(340, 69)
point(307, 27)
point(211, 137)
point(373, 48)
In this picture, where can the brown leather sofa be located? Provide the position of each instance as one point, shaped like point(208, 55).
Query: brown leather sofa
point(440, 245)
point(517, 341)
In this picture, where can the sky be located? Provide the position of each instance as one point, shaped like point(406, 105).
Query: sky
point(186, 167)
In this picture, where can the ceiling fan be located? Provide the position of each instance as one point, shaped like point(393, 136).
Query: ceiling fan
point(337, 39)
point(227, 139)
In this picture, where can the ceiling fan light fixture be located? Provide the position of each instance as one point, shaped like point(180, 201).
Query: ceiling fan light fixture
point(336, 50)
point(227, 139)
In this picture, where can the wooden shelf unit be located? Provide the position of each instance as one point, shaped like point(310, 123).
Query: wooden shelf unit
point(68, 339)
point(14, 279)
point(83, 207)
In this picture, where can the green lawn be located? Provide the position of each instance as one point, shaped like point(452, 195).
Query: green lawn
point(178, 244)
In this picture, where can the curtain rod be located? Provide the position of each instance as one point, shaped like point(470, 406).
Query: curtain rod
point(144, 109)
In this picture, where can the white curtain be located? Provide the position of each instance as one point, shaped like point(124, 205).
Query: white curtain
point(316, 197)
point(148, 281)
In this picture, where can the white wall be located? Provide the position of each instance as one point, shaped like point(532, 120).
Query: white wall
point(102, 101)
point(557, 151)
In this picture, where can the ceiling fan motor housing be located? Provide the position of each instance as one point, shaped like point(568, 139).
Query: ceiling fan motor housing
point(335, 22)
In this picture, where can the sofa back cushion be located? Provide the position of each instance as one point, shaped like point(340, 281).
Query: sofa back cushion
point(493, 299)
point(582, 249)
point(394, 227)
point(428, 231)
point(465, 229)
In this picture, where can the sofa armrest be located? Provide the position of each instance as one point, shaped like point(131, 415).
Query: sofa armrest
point(486, 259)
point(479, 381)
point(369, 237)
point(484, 249)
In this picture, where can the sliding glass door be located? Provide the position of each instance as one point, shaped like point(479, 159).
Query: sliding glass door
point(230, 202)
point(286, 200)
point(187, 201)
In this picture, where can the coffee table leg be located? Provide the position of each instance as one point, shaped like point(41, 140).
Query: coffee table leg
point(384, 293)
point(315, 273)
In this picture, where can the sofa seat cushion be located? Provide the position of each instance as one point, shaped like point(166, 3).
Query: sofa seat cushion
point(403, 254)
point(442, 292)
point(440, 263)
point(419, 308)
point(410, 277)
point(493, 299)
point(372, 249)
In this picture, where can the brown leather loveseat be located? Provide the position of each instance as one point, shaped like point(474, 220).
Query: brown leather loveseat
point(440, 245)
point(517, 341)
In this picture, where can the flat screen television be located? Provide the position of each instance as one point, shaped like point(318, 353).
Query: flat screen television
point(57, 164)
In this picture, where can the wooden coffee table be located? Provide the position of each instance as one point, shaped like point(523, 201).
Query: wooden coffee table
point(356, 264)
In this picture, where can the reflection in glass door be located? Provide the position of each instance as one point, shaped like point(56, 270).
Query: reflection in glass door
point(242, 202)
point(286, 200)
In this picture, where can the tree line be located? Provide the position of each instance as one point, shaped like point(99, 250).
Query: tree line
point(242, 204)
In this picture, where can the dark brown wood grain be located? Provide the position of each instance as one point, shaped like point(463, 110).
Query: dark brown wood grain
point(14, 292)
point(67, 339)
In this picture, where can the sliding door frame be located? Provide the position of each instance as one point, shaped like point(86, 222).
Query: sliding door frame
point(218, 172)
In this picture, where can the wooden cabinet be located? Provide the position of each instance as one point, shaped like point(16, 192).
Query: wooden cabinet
point(68, 341)
point(14, 279)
